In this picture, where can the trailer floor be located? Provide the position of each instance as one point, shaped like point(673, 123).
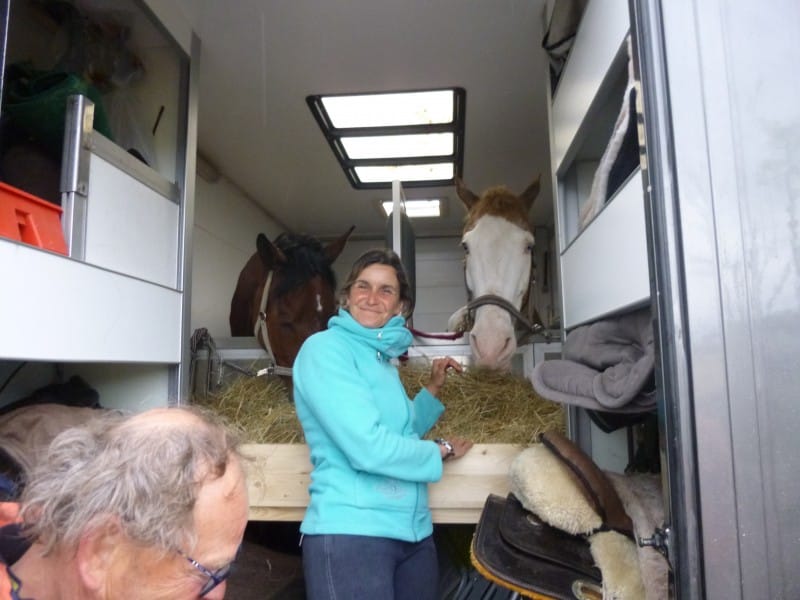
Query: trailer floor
point(264, 574)
point(269, 565)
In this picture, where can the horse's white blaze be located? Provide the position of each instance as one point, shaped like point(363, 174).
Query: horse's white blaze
point(498, 262)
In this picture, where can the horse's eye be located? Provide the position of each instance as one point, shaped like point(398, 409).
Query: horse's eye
point(465, 247)
point(529, 248)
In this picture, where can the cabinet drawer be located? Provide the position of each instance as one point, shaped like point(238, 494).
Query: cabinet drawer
point(130, 227)
point(605, 270)
point(54, 308)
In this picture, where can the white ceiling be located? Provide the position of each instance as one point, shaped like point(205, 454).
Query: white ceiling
point(261, 58)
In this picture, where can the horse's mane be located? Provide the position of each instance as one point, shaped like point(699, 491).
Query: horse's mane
point(500, 202)
point(305, 259)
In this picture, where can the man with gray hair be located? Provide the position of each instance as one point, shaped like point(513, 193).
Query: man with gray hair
point(146, 506)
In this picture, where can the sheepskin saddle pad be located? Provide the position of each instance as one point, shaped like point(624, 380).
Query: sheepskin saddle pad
point(564, 531)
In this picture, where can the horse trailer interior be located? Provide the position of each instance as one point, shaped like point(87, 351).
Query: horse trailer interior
point(173, 132)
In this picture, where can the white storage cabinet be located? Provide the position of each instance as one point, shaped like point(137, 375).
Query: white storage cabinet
point(114, 311)
point(602, 261)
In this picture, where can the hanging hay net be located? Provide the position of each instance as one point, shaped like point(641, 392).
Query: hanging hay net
point(483, 406)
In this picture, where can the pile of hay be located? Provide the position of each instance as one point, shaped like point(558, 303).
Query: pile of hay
point(488, 407)
point(259, 408)
point(483, 406)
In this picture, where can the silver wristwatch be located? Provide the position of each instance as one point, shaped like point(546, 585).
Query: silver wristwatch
point(448, 446)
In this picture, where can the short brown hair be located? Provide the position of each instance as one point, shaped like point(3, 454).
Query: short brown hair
point(380, 256)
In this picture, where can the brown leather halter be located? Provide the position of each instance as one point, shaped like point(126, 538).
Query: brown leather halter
point(504, 304)
point(261, 332)
point(532, 323)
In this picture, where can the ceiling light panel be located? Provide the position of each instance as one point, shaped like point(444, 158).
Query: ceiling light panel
point(386, 146)
point(416, 137)
point(405, 173)
point(416, 208)
point(388, 110)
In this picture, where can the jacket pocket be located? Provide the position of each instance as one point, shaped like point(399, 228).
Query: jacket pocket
point(374, 491)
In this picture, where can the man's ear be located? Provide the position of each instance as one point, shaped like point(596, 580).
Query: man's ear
point(95, 554)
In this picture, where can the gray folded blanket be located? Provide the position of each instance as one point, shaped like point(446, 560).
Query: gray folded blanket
point(608, 365)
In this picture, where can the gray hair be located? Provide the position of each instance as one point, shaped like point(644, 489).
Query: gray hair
point(144, 476)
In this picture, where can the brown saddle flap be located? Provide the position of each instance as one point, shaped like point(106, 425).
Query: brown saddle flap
point(537, 565)
point(597, 489)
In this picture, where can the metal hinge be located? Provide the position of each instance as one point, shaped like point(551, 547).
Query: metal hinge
point(660, 540)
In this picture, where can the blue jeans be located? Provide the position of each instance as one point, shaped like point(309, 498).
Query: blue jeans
point(355, 567)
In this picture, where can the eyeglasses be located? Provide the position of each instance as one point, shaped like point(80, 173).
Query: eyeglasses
point(214, 577)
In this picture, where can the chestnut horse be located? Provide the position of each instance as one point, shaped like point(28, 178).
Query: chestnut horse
point(498, 246)
point(286, 292)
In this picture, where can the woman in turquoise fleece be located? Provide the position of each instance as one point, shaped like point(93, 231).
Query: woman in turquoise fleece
point(367, 530)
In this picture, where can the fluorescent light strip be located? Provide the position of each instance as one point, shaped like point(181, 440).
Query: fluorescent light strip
point(417, 208)
point(384, 146)
point(405, 173)
point(382, 110)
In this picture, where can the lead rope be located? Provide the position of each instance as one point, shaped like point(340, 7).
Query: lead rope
point(261, 328)
point(528, 303)
point(435, 336)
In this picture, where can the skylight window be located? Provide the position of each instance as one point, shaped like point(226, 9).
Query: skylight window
point(387, 146)
point(405, 173)
point(385, 110)
point(417, 208)
point(415, 137)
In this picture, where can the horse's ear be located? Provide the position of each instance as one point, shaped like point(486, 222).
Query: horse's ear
point(334, 249)
point(530, 193)
point(270, 254)
point(467, 197)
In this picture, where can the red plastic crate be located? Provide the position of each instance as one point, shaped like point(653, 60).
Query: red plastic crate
point(30, 220)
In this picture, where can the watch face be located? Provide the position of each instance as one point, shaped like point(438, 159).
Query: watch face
point(447, 445)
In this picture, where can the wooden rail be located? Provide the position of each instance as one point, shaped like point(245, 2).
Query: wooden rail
point(278, 477)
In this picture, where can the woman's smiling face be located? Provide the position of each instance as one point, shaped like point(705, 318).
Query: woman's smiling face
point(374, 297)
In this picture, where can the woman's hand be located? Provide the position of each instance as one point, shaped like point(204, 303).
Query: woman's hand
point(460, 448)
point(439, 373)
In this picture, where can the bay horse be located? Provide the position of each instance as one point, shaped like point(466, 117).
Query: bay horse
point(498, 246)
point(285, 292)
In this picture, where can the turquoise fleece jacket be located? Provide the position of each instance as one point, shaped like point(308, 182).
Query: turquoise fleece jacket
point(370, 468)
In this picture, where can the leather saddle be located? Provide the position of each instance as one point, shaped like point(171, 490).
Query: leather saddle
point(516, 549)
